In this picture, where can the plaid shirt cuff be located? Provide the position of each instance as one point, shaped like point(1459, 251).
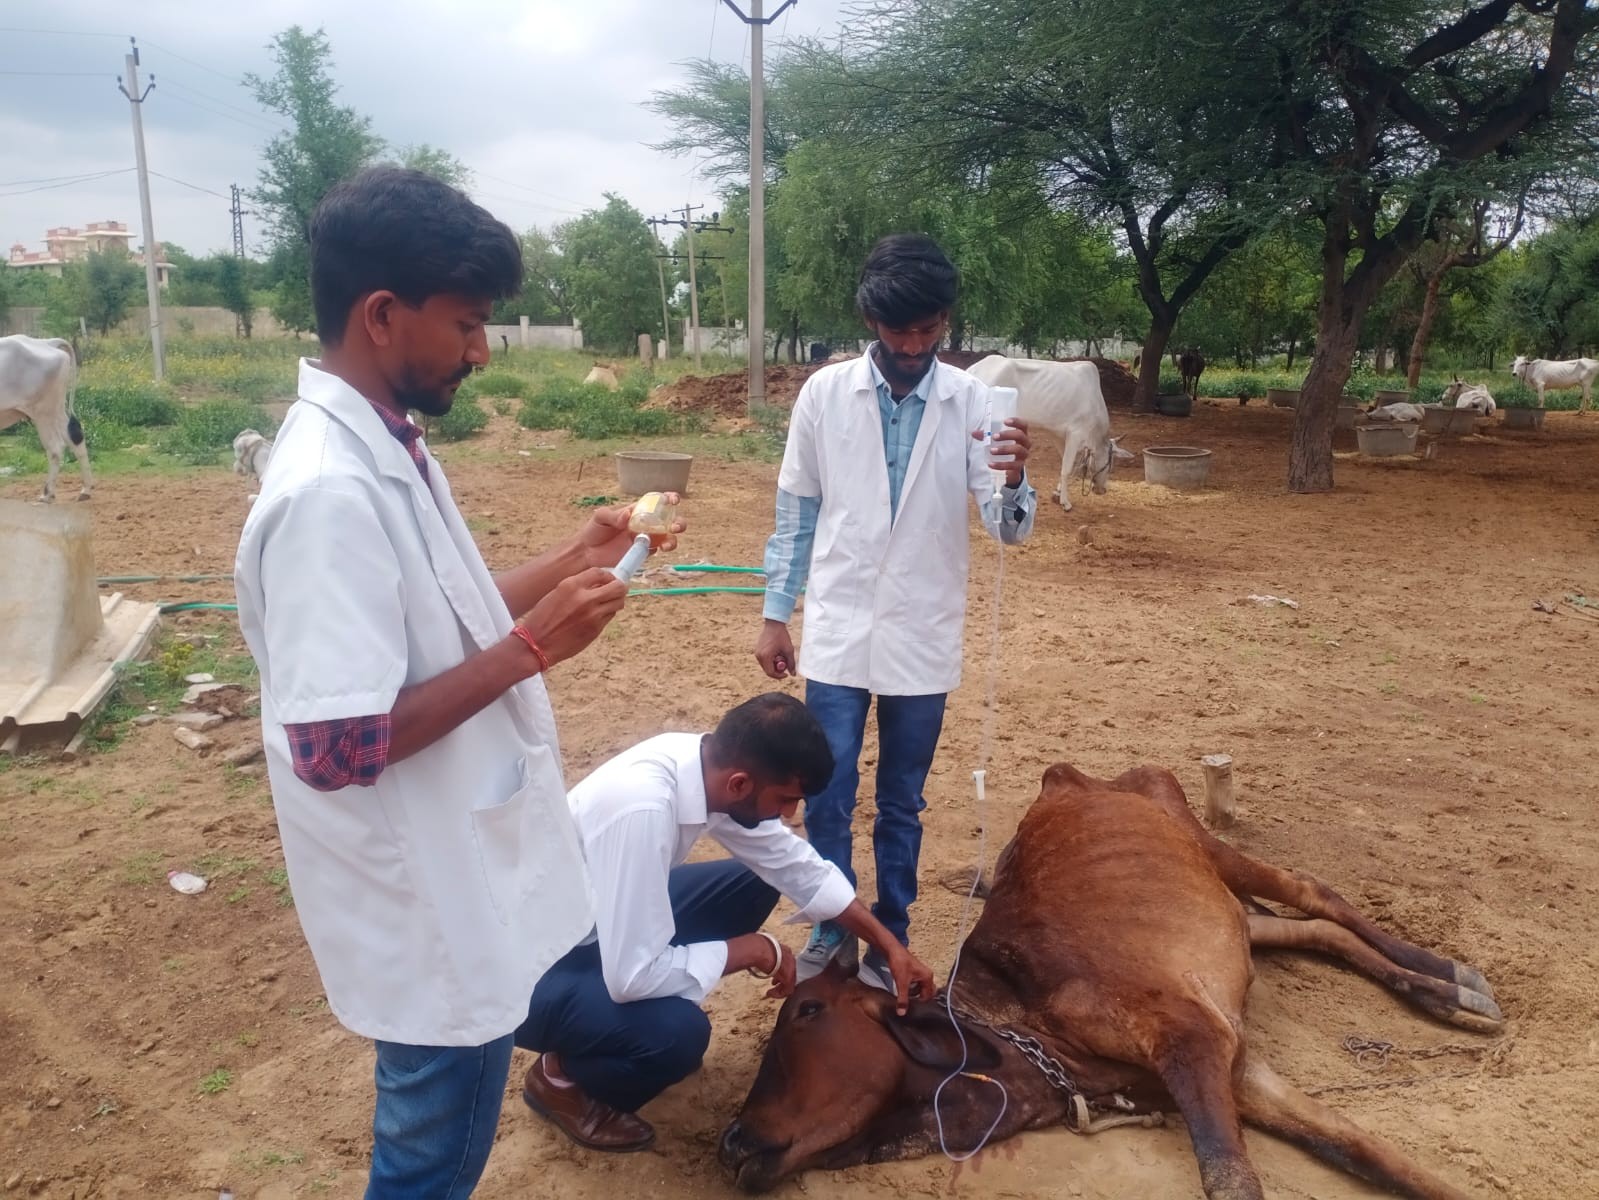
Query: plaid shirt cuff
point(329, 755)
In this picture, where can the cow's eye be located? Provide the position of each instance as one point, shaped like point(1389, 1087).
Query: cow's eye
point(809, 1009)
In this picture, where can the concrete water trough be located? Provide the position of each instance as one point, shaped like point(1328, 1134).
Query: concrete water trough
point(1182, 468)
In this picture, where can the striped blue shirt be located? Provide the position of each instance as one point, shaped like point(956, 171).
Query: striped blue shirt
point(788, 551)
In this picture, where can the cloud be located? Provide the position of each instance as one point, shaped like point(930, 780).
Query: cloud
point(545, 94)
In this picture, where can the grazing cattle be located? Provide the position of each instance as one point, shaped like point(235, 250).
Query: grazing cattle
point(251, 453)
point(1190, 364)
point(1547, 373)
point(1470, 395)
point(603, 376)
point(1065, 399)
point(1106, 977)
point(38, 382)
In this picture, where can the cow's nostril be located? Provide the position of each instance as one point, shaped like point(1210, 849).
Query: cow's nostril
point(730, 1150)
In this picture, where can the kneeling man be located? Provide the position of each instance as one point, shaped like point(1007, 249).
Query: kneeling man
point(618, 1020)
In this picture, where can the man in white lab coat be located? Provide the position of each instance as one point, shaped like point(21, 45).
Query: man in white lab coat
point(883, 451)
point(618, 1020)
point(410, 743)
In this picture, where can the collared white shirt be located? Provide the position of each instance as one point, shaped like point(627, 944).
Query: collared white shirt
point(638, 816)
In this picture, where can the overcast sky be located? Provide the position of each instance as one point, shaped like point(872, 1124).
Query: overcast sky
point(542, 99)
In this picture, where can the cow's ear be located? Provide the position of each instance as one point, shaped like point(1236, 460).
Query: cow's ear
point(930, 1039)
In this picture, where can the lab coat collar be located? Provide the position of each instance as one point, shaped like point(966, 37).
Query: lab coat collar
point(691, 804)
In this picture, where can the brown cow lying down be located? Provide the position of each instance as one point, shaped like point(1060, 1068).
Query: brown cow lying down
point(1118, 934)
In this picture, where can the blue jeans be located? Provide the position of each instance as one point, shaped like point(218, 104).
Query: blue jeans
point(437, 1109)
point(625, 1055)
point(907, 735)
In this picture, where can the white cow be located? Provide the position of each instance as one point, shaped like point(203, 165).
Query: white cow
point(38, 382)
point(1065, 399)
point(1470, 395)
point(1547, 373)
point(603, 376)
point(1399, 413)
point(251, 453)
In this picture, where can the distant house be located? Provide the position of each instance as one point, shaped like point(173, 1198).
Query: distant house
point(66, 244)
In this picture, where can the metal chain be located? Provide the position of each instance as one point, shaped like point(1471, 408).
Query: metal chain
point(1033, 1051)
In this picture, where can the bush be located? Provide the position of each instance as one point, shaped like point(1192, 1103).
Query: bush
point(498, 381)
point(203, 430)
point(135, 404)
point(592, 412)
point(466, 417)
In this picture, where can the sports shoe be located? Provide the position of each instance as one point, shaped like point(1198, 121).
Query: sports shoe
point(829, 941)
point(874, 971)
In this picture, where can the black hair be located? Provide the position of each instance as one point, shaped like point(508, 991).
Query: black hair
point(393, 229)
point(906, 278)
point(775, 738)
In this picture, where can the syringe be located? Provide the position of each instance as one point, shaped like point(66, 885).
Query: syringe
point(633, 559)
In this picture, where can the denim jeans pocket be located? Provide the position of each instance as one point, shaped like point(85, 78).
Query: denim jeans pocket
point(402, 1059)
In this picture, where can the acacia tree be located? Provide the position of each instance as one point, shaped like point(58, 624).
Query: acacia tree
point(1400, 117)
point(608, 271)
point(1116, 121)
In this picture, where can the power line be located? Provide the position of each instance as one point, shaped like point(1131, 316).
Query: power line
point(69, 183)
point(64, 32)
point(526, 188)
point(192, 63)
point(187, 184)
point(53, 179)
point(60, 74)
point(257, 115)
point(217, 112)
point(482, 195)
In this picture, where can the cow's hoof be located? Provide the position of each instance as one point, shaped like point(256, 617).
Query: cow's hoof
point(1476, 1012)
point(1472, 979)
point(965, 881)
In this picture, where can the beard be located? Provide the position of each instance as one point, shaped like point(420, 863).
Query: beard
point(903, 370)
point(431, 400)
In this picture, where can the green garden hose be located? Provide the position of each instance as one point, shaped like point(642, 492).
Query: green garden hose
point(194, 605)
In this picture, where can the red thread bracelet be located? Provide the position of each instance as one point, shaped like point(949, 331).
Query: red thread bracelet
point(522, 632)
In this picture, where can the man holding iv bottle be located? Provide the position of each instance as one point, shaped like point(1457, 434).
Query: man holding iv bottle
point(872, 526)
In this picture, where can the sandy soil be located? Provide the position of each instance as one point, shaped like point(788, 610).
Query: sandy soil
point(1415, 734)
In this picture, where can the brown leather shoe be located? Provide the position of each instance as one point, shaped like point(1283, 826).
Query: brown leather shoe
point(583, 1119)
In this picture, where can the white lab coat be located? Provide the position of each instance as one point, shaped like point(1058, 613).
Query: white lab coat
point(434, 900)
point(885, 606)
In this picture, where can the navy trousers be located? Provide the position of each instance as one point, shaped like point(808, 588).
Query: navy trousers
point(627, 1054)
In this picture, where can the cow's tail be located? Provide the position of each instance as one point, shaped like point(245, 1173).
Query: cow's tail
point(74, 427)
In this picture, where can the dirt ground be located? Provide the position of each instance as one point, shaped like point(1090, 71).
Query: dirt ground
point(1415, 733)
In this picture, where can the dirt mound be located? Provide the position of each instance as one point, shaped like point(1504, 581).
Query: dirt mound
point(1117, 383)
point(728, 395)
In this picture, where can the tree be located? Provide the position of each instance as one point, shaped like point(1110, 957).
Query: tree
point(1400, 118)
point(431, 160)
point(1546, 305)
point(233, 289)
point(1116, 121)
point(1460, 244)
point(1261, 300)
point(329, 142)
point(543, 296)
point(100, 289)
point(609, 274)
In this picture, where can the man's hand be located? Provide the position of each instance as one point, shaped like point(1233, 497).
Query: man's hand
point(913, 980)
point(774, 650)
point(575, 611)
point(751, 950)
point(605, 537)
point(1014, 444)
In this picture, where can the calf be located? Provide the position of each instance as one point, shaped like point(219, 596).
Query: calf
point(251, 453)
point(38, 382)
point(604, 377)
point(1107, 974)
point(1544, 374)
point(1065, 399)
point(1470, 395)
point(1190, 364)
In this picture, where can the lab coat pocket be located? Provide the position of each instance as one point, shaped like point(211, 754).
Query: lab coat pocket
point(515, 839)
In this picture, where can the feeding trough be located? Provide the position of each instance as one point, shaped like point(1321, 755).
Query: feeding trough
point(1282, 397)
point(1441, 419)
point(641, 471)
point(1524, 418)
point(1182, 468)
point(1348, 410)
point(1386, 440)
point(1177, 404)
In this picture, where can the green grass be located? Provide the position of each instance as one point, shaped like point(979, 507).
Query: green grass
point(159, 681)
point(144, 869)
point(466, 417)
point(217, 1082)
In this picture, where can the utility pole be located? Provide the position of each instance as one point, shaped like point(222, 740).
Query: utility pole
point(152, 279)
point(691, 226)
point(236, 210)
point(757, 321)
point(693, 281)
point(666, 320)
